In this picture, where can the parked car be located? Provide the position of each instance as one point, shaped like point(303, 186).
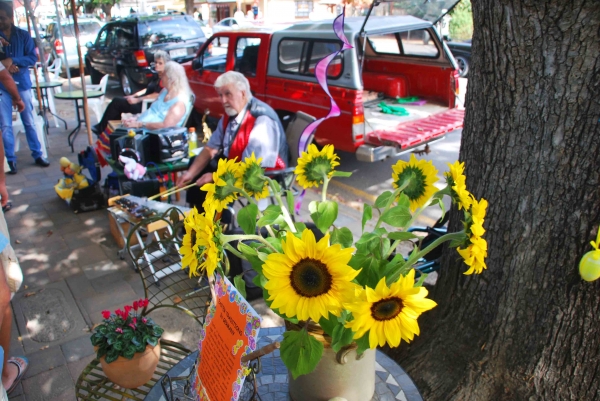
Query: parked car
point(462, 54)
point(54, 47)
point(125, 48)
point(395, 62)
point(229, 24)
point(208, 32)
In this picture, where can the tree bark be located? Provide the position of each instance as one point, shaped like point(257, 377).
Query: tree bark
point(528, 327)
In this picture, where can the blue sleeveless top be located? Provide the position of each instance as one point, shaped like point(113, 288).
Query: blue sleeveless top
point(159, 109)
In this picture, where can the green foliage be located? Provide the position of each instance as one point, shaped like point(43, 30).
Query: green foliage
point(323, 214)
point(125, 333)
point(247, 218)
point(461, 24)
point(300, 352)
point(342, 236)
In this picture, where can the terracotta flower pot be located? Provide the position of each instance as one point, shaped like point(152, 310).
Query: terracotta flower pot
point(338, 374)
point(132, 373)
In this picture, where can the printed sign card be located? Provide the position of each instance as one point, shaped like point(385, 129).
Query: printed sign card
point(230, 331)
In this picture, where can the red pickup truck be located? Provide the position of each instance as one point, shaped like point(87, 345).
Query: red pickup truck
point(394, 58)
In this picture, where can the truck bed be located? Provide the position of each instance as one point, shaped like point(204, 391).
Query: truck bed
point(376, 120)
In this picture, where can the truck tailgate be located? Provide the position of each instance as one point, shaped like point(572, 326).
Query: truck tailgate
point(417, 132)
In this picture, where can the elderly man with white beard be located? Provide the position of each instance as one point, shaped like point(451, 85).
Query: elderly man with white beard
point(248, 126)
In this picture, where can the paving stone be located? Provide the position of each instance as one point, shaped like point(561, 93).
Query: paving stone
point(55, 384)
point(78, 348)
point(33, 281)
point(108, 300)
point(80, 286)
point(44, 360)
point(112, 281)
point(90, 254)
point(102, 268)
point(75, 368)
point(78, 241)
point(48, 317)
point(64, 217)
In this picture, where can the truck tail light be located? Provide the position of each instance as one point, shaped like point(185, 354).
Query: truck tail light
point(358, 121)
point(58, 46)
point(140, 58)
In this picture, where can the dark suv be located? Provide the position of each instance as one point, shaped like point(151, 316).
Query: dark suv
point(125, 48)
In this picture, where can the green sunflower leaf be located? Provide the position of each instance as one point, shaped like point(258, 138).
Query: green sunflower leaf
point(401, 235)
point(300, 352)
point(276, 243)
point(325, 215)
point(383, 199)
point(342, 236)
point(403, 200)
point(363, 344)
point(240, 284)
point(247, 218)
point(300, 227)
point(342, 174)
point(367, 215)
point(421, 280)
point(398, 216)
point(328, 325)
point(289, 198)
point(271, 215)
point(341, 337)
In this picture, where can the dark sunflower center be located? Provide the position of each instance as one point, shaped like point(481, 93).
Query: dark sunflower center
point(416, 182)
point(310, 278)
point(386, 309)
point(317, 168)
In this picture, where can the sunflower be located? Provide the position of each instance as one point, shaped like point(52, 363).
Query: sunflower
point(389, 313)
point(478, 210)
point(422, 176)
point(217, 193)
point(309, 279)
point(250, 178)
point(189, 245)
point(209, 247)
point(457, 182)
point(313, 165)
point(474, 255)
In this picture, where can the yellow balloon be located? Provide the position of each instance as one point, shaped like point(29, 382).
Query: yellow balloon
point(589, 267)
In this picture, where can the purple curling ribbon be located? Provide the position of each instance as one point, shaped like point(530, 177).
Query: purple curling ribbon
point(321, 75)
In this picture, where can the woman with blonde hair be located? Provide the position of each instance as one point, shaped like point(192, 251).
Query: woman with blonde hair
point(133, 103)
point(172, 105)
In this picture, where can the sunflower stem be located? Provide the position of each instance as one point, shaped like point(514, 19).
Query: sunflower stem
point(446, 237)
point(418, 212)
point(325, 185)
point(245, 237)
point(260, 215)
point(284, 211)
point(233, 250)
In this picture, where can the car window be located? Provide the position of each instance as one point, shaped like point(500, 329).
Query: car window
point(301, 57)
point(215, 57)
point(123, 37)
point(85, 28)
point(169, 30)
point(246, 55)
point(415, 43)
point(385, 43)
point(103, 38)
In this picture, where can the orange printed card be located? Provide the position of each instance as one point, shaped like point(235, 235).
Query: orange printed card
point(230, 331)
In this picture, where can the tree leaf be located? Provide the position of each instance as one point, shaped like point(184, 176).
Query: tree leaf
point(300, 352)
point(240, 284)
point(247, 218)
point(342, 236)
point(367, 215)
point(401, 235)
point(325, 215)
point(398, 216)
point(383, 199)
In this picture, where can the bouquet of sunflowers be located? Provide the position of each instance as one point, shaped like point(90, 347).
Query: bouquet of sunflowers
point(362, 291)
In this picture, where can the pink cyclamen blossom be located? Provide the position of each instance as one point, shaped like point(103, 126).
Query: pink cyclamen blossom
point(132, 325)
point(135, 306)
point(144, 320)
point(119, 313)
point(127, 309)
point(106, 314)
point(119, 330)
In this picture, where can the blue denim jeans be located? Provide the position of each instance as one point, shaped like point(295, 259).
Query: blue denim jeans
point(28, 122)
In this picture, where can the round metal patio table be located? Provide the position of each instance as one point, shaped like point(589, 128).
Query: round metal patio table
point(44, 86)
point(77, 96)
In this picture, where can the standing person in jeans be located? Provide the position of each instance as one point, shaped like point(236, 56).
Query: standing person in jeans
point(17, 56)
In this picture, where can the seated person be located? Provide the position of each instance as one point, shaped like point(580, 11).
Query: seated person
point(248, 125)
point(172, 104)
point(133, 103)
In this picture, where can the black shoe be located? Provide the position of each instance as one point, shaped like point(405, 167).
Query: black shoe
point(13, 168)
point(96, 129)
point(40, 161)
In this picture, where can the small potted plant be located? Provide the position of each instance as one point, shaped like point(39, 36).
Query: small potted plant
point(127, 345)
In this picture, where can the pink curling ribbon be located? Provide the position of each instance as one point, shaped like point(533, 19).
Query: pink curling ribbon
point(321, 75)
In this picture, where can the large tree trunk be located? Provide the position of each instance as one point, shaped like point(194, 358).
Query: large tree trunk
point(528, 328)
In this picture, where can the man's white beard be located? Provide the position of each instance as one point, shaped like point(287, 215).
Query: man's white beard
point(231, 111)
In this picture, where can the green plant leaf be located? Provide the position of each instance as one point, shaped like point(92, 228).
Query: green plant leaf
point(401, 235)
point(289, 198)
point(276, 243)
point(325, 214)
point(367, 215)
point(300, 352)
point(240, 284)
point(383, 199)
point(247, 218)
point(397, 216)
point(362, 343)
point(152, 341)
point(111, 356)
point(421, 280)
point(136, 341)
point(328, 324)
point(101, 351)
point(403, 200)
point(300, 227)
point(118, 345)
point(341, 174)
point(341, 337)
point(342, 236)
point(129, 352)
point(271, 215)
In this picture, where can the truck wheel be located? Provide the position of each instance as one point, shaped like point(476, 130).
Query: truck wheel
point(129, 87)
point(463, 66)
point(95, 75)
